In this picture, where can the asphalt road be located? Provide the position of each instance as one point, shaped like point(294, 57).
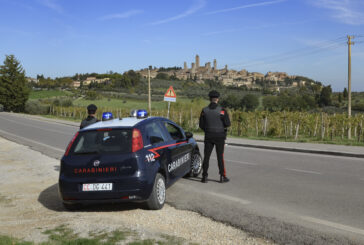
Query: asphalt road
point(291, 198)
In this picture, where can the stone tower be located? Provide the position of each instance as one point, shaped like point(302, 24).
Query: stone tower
point(197, 61)
point(215, 65)
point(193, 68)
point(185, 66)
point(208, 67)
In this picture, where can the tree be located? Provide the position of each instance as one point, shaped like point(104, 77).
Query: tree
point(13, 85)
point(340, 98)
point(345, 93)
point(162, 76)
point(325, 96)
point(230, 101)
point(250, 102)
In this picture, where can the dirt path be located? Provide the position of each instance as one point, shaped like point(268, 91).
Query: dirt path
point(29, 205)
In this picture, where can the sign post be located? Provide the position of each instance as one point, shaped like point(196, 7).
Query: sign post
point(170, 96)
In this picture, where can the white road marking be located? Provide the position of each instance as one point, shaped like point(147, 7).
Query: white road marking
point(333, 225)
point(42, 128)
point(297, 153)
point(223, 196)
point(230, 198)
point(303, 171)
point(246, 163)
point(32, 141)
point(43, 119)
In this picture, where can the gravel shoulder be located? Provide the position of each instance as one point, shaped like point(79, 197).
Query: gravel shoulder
point(29, 205)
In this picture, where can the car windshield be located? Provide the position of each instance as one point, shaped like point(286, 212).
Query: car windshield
point(110, 141)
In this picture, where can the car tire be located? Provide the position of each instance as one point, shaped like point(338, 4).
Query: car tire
point(71, 207)
point(158, 196)
point(196, 164)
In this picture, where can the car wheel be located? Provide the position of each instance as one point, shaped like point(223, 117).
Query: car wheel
point(196, 164)
point(158, 196)
point(71, 207)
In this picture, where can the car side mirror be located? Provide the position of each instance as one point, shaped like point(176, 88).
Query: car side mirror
point(188, 135)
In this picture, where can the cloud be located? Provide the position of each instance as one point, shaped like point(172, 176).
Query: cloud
point(195, 7)
point(349, 12)
point(52, 4)
point(245, 6)
point(256, 27)
point(124, 15)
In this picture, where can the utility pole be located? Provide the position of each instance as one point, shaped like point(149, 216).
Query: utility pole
point(149, 93)
point(349, 83)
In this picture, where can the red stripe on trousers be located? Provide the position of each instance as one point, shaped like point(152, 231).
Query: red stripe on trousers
point(223, 164)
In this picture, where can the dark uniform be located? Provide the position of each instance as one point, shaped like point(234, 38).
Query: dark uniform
point(214, 120)
point(91, 109)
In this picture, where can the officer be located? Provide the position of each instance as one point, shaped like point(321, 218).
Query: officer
point(91, 110)
point(213, 121)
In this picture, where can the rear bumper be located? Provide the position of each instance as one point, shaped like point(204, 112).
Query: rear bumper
point(125, 189)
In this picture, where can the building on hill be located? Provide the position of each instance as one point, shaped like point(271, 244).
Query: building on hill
point(90, 80)
point(32, 80)
point(228, 77)
point(76, 84)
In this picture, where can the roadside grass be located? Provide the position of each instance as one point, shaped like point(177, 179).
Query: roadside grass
point(61, 118)
point(120, 103)
point(131, 103)
point(42, 94)
point(63, 235)
point(334, 141)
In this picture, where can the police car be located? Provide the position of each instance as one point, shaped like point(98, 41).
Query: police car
point(129, 159)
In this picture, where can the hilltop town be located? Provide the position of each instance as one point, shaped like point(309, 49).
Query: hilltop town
point(273, 81)
point(228, 77)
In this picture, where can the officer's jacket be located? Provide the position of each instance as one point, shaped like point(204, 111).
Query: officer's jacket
point(88, 121)
point(214, 120)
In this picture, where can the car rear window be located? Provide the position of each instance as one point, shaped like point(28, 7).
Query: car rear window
point(108, 141)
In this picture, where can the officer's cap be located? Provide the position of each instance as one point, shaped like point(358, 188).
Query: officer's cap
point(214, 94)
point(91, 108)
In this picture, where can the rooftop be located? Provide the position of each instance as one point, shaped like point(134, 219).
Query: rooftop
point(118, 122)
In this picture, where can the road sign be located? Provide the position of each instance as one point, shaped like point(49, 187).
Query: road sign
point(170, 95)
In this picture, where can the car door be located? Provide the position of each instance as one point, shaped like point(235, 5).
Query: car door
point(179, 149)
point(157, 154)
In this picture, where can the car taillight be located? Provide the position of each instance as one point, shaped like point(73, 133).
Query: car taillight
point(137, 141)
point(70, 144)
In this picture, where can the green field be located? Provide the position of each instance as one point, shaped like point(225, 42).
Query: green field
point(135, 104)
point(42, 94)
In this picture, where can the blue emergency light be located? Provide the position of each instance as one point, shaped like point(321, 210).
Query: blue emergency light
point(142, 114)
point(107, 116)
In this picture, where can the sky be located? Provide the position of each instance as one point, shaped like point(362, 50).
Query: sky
point(301, 37)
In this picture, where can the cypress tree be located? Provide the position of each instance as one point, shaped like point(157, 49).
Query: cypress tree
point(13, 85)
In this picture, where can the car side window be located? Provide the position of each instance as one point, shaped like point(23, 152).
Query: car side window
point(154, 133)
point(174, 131)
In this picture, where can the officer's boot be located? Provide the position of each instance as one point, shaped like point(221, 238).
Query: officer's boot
point(223, 179)
point(204, 179)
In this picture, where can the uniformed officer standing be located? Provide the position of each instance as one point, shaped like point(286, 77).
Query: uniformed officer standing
point(91, 110)
point(214, 120)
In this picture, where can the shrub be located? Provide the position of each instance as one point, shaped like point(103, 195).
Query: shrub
point(35, 107)
point(56, 102)
point(91, 95)
point(67, 103)
point(1, 107)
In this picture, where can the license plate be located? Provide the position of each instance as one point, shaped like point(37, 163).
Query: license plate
point(97, 187)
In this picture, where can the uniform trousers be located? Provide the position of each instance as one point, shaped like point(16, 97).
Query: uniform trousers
point(219, 143)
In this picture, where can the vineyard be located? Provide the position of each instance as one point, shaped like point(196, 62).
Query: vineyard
point(281, 125)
